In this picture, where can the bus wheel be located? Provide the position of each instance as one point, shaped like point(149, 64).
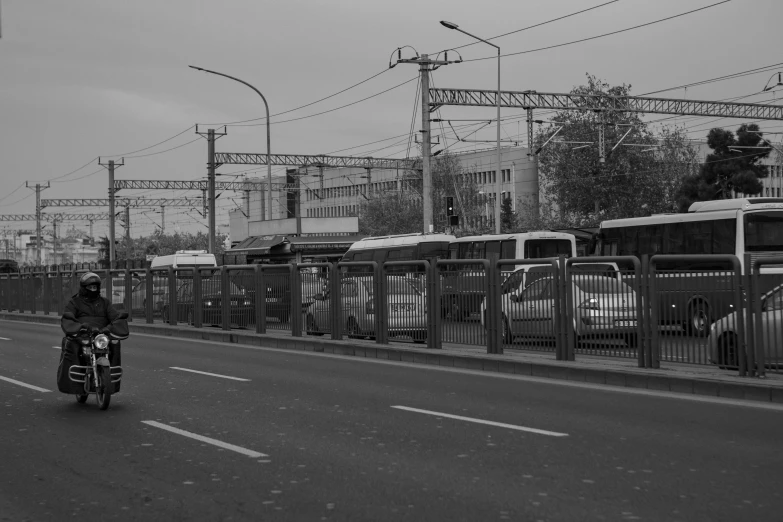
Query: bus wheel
point(699, 319)
point(727, 352)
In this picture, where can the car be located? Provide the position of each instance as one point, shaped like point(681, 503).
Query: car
point(528, 274)
point(722, 338)
point(603, 307)
point(242, 309)
point(406, 308)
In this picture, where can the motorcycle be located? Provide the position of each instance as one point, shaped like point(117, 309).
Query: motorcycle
point(94, 370)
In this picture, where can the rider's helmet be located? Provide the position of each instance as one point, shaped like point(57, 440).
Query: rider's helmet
point(90, 278)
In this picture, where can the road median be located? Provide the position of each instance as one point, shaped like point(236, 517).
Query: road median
point(678, 378)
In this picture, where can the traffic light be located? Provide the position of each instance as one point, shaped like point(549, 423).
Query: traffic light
point(449, 206)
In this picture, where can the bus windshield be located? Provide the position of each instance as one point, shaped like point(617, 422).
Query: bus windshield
point(541, 248)
point(763, 231)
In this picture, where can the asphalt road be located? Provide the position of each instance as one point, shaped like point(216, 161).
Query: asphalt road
point(316, 437)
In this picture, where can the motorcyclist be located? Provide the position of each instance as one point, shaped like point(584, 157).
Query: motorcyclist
point(93, 313)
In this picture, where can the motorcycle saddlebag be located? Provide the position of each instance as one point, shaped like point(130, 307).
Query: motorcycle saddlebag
point(68, 358)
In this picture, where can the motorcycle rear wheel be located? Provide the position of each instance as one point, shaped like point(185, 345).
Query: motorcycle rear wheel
point(103, 393)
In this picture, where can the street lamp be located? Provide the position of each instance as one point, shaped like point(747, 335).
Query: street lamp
point(498, 178)
point(268, 138)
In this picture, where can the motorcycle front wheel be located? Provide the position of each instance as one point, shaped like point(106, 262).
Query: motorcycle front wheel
point(103, 393)
point(81, 398)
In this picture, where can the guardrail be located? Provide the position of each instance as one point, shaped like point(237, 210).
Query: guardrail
point(606, 306)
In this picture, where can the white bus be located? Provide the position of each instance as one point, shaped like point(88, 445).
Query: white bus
point(462, 291)
point(401, 247)
point(729, 226)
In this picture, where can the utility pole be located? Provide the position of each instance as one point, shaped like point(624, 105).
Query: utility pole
point(38, 188)
point(111, 166)
point(162, 219)
point(533, 155)
point(127, 232)
point(211, 167)
point(425, 66)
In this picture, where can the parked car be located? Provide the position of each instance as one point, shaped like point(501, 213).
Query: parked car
point(603, 307)
point(525, 275)
point(406, 306)
point(278, 291)
point(242, 309)
point(722, 339)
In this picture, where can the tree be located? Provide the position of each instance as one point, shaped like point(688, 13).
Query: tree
point(732, 167)
point(401, 212)
point(640, 175)
point(508, 217)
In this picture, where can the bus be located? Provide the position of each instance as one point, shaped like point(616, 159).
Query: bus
point(401, 247)
point(731, 226)
point(462, 289)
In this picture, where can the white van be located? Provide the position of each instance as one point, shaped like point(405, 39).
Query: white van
point(185, 259)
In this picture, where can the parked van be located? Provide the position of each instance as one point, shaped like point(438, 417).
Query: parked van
point(185, 259)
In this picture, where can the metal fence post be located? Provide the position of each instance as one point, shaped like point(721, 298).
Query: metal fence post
point(225, 299)
point(259, 305)
point(198, 301)
point(645, 342)
point(172, 304)
point(563, 349)
point(335, 306)
point(296, 301)
point(33, 292)
point(128, 291)
point(747, 311)
point(379, 303)
point(654, 358)
point(434, 320)
point(148, 296)
point(47, 292)
point(745, 358)
point(494, 341)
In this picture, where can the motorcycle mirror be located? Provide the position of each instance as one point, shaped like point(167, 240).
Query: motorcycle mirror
point(123, 315)
point(69, 315)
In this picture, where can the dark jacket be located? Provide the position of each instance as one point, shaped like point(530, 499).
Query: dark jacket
point(98, 312)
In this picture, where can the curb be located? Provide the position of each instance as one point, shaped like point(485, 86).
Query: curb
point(657, 380)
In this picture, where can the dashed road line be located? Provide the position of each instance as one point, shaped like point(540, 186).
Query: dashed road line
point(20, 383)
point(210, 374)
point(5, 339)
point(481, 421)
point(201, 438)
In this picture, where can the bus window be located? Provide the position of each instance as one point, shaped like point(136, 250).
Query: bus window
point(541, 248)
point(492, 250)
point(763, 231)
point(434, 249)
point(629, 241)
point(724, 236)
point(674, 238)
point(508, 249)
point(650, 240)
point(699, 234)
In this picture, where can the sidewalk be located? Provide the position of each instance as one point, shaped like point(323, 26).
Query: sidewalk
point(673, 377)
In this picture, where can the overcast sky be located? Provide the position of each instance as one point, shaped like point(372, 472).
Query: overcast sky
point(81, 79)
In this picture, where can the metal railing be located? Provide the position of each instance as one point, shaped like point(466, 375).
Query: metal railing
point(617, 307)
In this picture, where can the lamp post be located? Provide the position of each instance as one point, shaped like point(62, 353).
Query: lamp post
point(268, 134)
point(498, 178)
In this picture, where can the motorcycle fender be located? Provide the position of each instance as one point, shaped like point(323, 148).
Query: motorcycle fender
point(102, 361)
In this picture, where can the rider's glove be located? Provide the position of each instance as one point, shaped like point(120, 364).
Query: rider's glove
point(105, 330)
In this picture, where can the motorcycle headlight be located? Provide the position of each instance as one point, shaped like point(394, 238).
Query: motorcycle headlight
point(101, 342)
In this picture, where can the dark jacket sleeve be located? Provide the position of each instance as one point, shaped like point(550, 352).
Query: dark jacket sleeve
point(70, 326)
point(117, 327)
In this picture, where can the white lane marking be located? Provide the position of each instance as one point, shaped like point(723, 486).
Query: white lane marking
point(214, 442)
point(5, 339)
point(19, 383)
point(210, 374)
point(57, 347)
point(481, 421)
